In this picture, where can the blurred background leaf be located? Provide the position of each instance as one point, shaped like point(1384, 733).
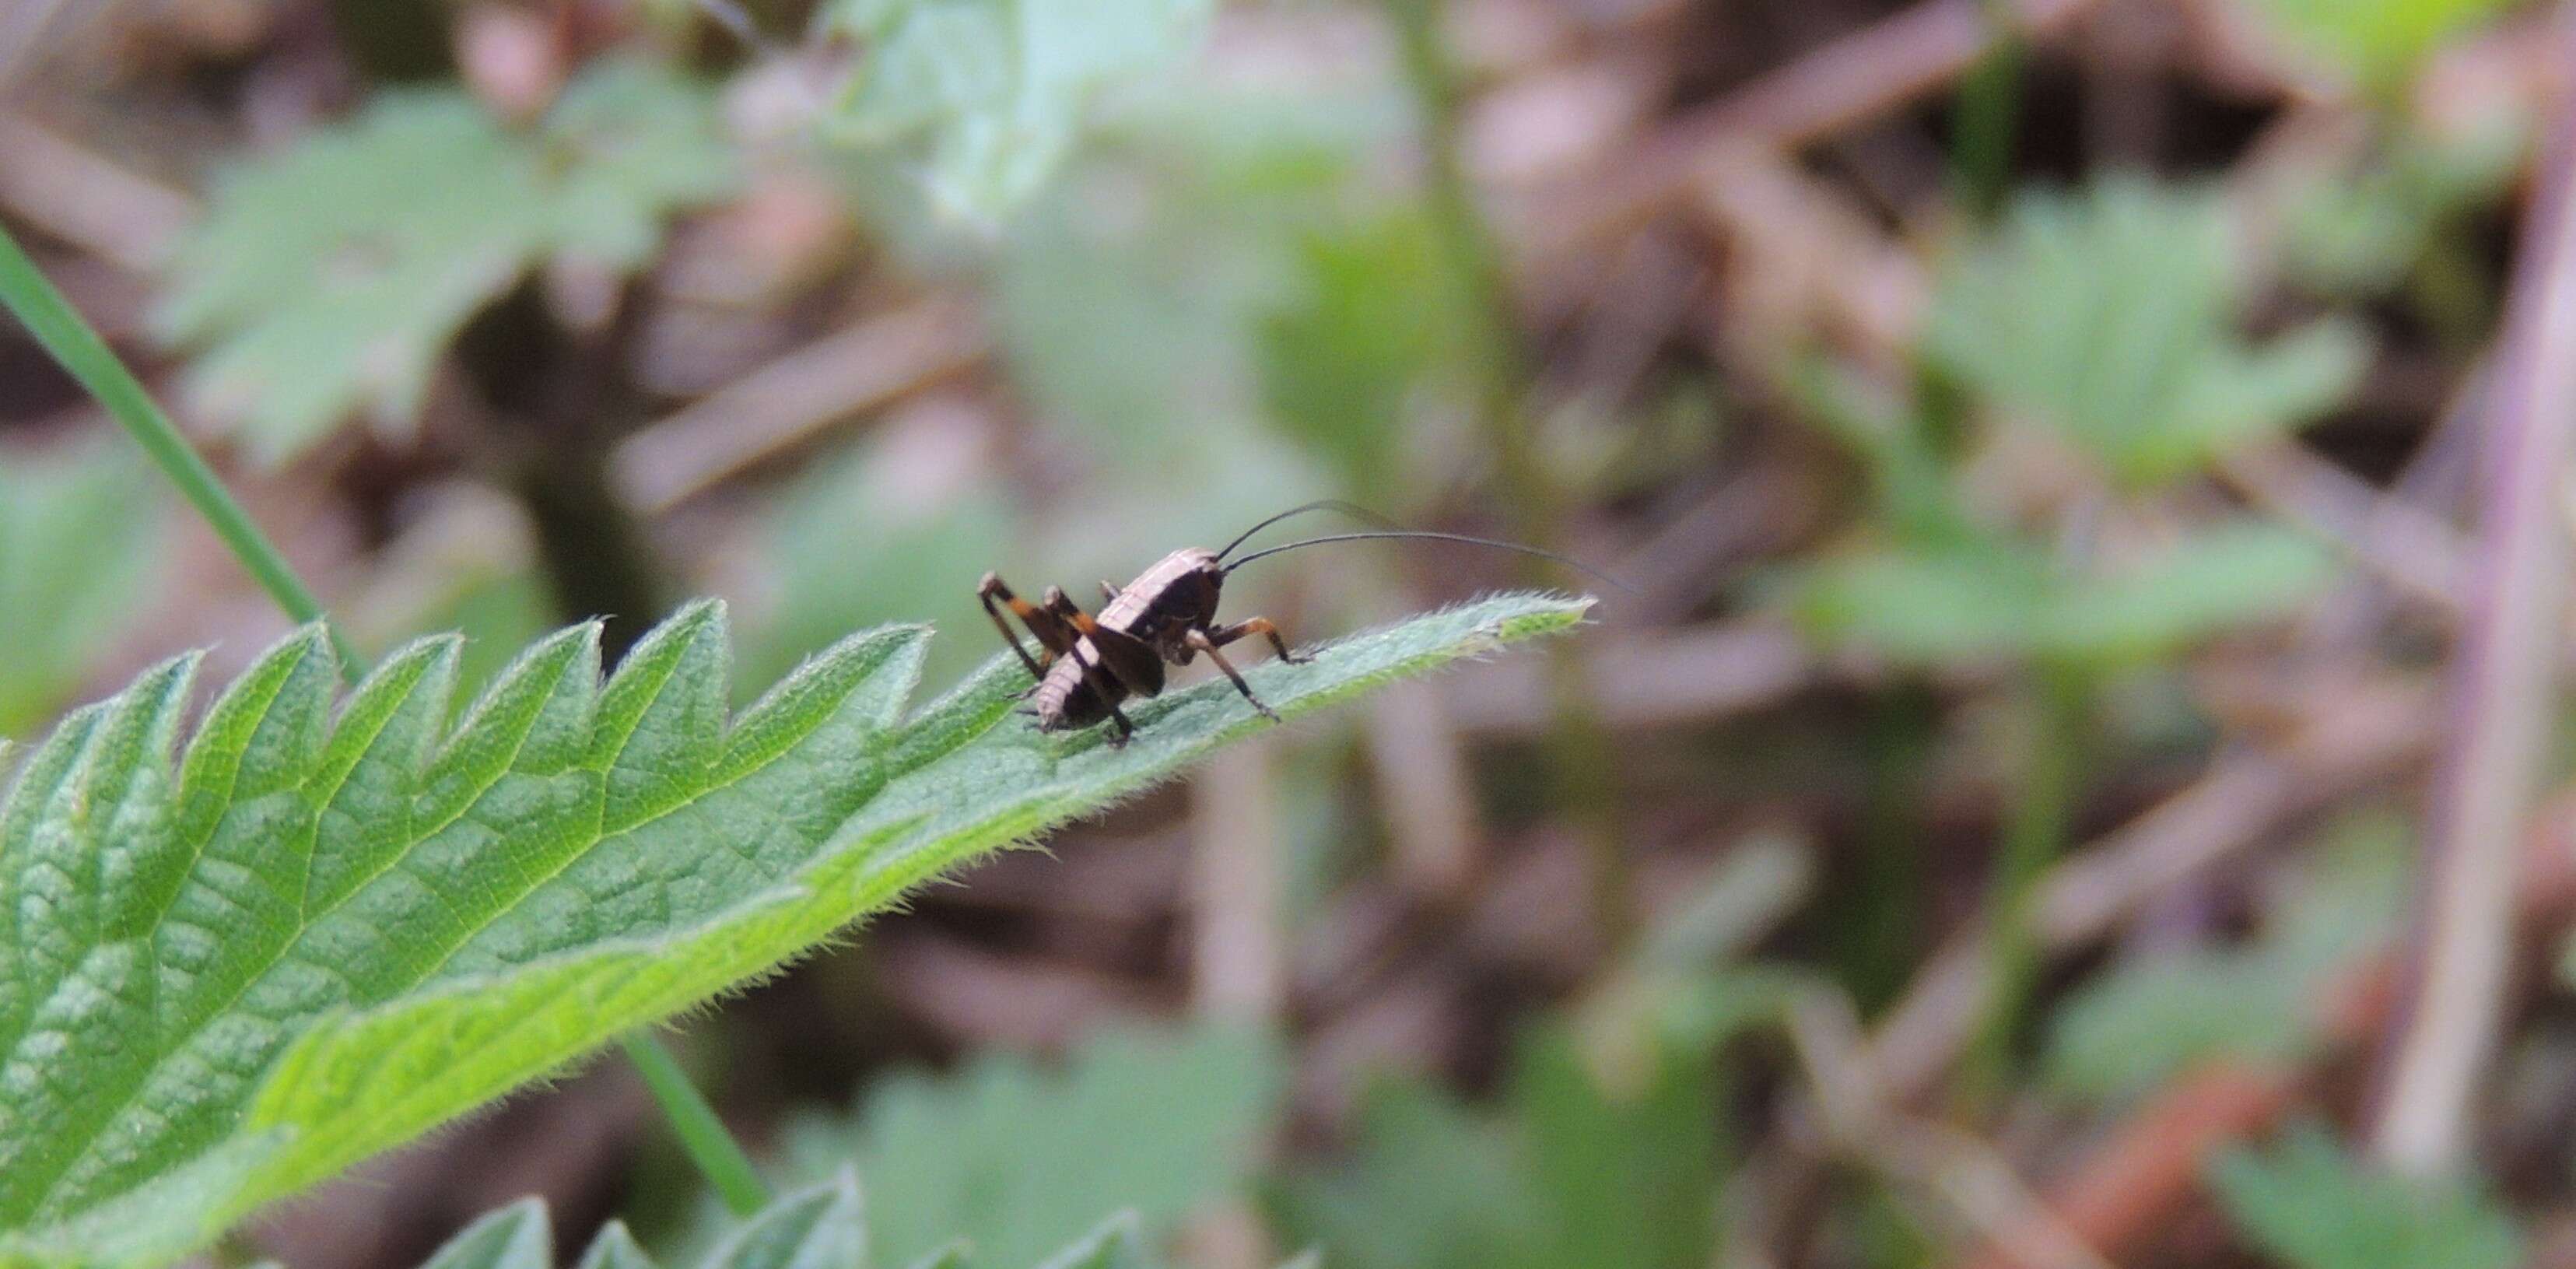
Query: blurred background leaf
point(1583, 1163)
point(2314, 1207)
point(897, 528)
point(1019, 1159)
point(2110, 315)
point(1988, 597)
point(79, 549)
point(327, 280)
point(2373, 41)
point(990, 94)
point(2157, 1016)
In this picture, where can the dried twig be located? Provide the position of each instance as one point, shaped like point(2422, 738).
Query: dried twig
point(788, 401)
point(1238, 961)
point(2501, 694)
point(85, 199)
point(1861, 76)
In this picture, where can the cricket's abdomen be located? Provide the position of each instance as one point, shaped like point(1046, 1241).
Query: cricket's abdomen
point(1070, 696)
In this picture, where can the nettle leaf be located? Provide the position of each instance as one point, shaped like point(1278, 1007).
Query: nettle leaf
point(328, 279)
point(1016, 1159)
point(319, 933)
point(2110, 314)
point(2312, 1206)
point(815, 1228)
point(988, 96)
point(821, 1227)
point(77, 556)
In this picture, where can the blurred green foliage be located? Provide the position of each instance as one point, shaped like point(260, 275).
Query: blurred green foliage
point(1604, 1149)
point(326, 280)
point(2357, 234)
point(1989, 597)
point(856, 542)
point(1372, 321)
point(1016, 1159)
point(986, 97)
point(2312, 1206)
point(2110, 316)
point(79, 548)
point(1218, 309)
point(2125, 1032)
point(2376, 42)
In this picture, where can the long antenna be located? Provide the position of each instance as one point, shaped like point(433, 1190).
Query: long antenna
point(1577, 565)
point(1348, 508)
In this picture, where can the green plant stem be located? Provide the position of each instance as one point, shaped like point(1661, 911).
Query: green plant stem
point(69, 338)
point(1579, 750)
point(62, 332)
point(2036, 836)
point(1981, 139)
point(1874, 936)
point(703, 1135)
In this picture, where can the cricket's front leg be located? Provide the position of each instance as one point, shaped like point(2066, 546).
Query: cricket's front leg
point(1200, 640)
point(1224, 635)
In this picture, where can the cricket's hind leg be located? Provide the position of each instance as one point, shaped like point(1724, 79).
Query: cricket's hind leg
point(1054, 637)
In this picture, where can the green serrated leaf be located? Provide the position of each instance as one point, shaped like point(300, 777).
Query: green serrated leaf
point(514, 1237)
point(77, 555)
point(614, 1248)
point(2110, 315)
point(334, 932)
point(1017, 1160)
point(988, 95)
point(328, 279)
point(2313, 1207)
point(821, 1228)
point(814, 1228)
point(1114, 1245)
point(952, 1256)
